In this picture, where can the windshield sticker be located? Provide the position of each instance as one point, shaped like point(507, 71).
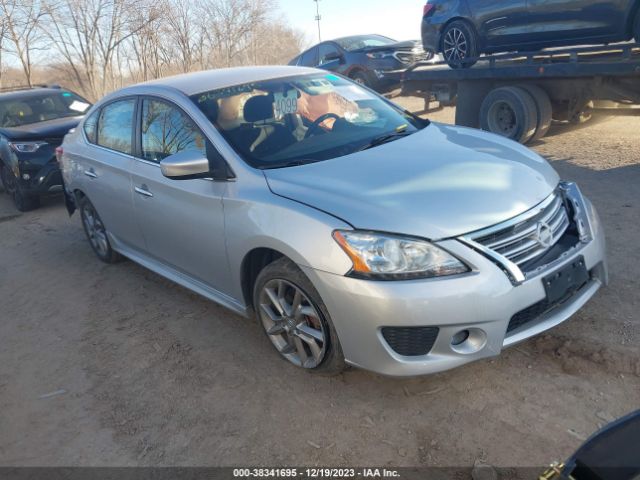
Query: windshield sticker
point(332, 78)
point(77, 106)
point(285, 103)
point(353, 93)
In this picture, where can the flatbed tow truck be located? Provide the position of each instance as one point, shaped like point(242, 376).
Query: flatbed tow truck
point(520, 95)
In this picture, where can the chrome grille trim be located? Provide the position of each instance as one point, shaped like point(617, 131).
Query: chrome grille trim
point(513, 243)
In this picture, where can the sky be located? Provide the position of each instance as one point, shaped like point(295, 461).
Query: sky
point(398, 19)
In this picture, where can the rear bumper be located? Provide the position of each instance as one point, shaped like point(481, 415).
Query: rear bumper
point(431, 35)
point(482, 302)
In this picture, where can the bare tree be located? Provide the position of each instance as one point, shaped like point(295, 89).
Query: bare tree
point(21, 22)
point(230, 24)
point(88, 33)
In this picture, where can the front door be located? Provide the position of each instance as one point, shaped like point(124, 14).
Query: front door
point(182, 221)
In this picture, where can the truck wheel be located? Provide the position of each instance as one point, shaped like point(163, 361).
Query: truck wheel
point(544, 109)
point(459, 42)
point(510, 112)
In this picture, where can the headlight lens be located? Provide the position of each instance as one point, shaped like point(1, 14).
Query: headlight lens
point(379, 55)
point(26, 147)
point(383, 256)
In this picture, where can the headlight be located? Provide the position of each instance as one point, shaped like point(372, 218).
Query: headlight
point(379, 55)
point(26, 147)
point(385, 256)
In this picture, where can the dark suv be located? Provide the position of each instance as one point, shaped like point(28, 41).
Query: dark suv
point(461, 29)
point(363, 58)
point(33, 122)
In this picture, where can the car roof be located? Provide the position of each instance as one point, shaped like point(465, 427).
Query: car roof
point(28, 92)
point(198, 82)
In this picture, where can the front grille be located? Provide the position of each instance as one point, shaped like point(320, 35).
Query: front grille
point(410, 341)
point(525, 241)
point(411, 57)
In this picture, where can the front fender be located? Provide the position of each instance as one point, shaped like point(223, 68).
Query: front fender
point(297, 231)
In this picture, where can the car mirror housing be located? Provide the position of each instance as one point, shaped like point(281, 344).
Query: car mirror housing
point(186, 166)
point(192, 164)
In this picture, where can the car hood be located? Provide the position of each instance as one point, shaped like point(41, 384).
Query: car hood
point(393, 47)
point(440, 182)
point(54, 129)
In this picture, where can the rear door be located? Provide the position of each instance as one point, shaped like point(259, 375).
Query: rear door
point(500, 23)
point(182, 220)
point(571, 20)
point(105, 167)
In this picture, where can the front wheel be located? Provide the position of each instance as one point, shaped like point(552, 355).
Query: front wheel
point(295, 319)
point(22, 201)
point(361, 78)
point(459, 43)
point(96, 232)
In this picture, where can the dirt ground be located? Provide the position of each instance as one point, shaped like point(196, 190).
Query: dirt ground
point(113, 365)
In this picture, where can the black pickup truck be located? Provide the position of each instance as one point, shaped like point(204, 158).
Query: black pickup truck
point(33, 122)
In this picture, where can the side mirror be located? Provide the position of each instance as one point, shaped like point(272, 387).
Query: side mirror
point(191, 164)
point(330, 57)
point(185, 166)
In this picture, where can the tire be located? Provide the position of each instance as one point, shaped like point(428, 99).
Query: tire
point(22, 201)
point(96, 232)
point(361, 78)
point(544, 109)
point(459, 42)
point(510, 112)
point(274, 292)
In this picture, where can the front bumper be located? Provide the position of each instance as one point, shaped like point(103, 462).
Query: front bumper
point(42, 181)
point(482, 301)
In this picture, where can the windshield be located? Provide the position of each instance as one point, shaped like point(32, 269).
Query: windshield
point(364, 41)
point(303, 119)
point(32, 108)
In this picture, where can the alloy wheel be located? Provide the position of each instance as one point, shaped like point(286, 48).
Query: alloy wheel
point(293, 323)
point(95, 230)
point(456, 46)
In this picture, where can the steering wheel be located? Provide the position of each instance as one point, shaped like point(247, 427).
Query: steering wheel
point(318, 121)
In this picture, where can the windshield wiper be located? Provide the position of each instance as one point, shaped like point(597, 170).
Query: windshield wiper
point(388, 137)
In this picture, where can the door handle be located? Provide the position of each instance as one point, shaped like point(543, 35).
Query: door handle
point(143, 190)
point(91, 173)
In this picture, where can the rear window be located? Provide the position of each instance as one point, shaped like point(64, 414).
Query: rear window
point(115, 126)
point(34, 108)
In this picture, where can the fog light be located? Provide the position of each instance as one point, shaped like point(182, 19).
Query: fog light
point(469, 341)
point(459, 338)
point(26, 176)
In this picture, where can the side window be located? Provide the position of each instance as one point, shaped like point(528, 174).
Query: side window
point(309, 58)
point(115, 126)
point(91, 126)
point(326, 49)
point(166, 130)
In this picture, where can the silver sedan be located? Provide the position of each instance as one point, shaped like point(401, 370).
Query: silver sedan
point(355, 232)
